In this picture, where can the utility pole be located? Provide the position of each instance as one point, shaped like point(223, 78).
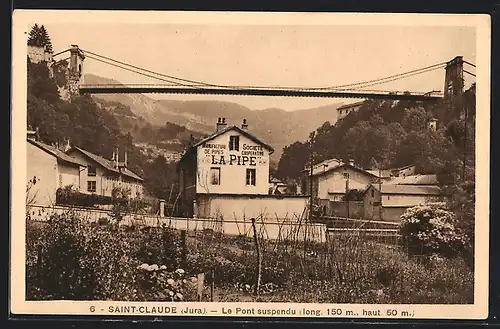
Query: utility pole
point(465, 138)
point(380, 193)
point(311, 161)
point(347, 192)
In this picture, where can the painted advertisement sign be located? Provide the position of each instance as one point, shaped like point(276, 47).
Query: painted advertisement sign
point(248, 155)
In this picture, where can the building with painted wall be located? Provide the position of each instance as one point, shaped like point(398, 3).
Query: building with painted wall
point(101, 175)
point(49, 169)
point(231, 165)
point(388, 202)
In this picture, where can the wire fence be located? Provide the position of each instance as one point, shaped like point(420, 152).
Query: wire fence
point(263, 255)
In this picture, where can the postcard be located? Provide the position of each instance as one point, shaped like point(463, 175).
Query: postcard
point(237, 164)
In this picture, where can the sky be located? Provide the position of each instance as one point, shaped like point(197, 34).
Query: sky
point(271, 55)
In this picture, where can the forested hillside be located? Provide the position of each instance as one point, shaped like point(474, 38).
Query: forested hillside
point(92, 126)
point(385, 134)
point(388, 134)
point(169, 136)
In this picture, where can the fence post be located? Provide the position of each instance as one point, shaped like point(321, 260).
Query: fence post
point(195, 209)
point(162, 208)
point(184, 248)
point(212, 276)
point(200, 285)
point(259, 260)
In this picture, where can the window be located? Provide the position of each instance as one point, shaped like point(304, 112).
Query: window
point(91, 170)
point(250, 179)
point(91, 186)
point(345, 175)
point(234, 143)
point(373, 193)
point(60, 180)
point(215, 176)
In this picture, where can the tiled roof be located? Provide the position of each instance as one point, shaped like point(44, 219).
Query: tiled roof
point(241, 131)
point(377, 173)
point(60, 155)
point(342, 165)
point(415, 180)
point(408, 189)
point(108, 164)
point(346, 106)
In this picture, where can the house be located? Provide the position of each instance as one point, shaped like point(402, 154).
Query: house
point(333, 181)
point(427, 180)
point(344, 110)
point(273, 184)
point(403, 171)
point(101, 175)
point(387, 202)
point(229, 168)
point(48, 169)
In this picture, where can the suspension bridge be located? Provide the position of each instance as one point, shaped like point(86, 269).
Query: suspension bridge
point(169, 84)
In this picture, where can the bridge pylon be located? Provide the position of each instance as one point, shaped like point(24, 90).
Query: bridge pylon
point(75, 70)
point(454, 85)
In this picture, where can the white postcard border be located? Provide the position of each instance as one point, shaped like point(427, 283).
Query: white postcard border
point(21, 19)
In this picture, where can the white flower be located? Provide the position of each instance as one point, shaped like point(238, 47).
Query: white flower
point(179, 296)
point(143, 266)
point(170, 282)
point(179, 271)
point(153, 267)
point(163, 267)
point(170, 293)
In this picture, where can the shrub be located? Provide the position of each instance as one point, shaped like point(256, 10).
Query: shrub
point(60, 272)
point(430, 229)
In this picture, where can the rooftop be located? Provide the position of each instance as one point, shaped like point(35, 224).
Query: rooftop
point(107, 164)
point(415, 180)
point(346, 106)
point(407, 189)
point(60, 155)
point(238, 129)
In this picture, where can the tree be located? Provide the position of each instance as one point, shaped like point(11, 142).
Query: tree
point(293, 160)
point(34, 36)
point(415, 119)
point(39, 37)
point(46, 42)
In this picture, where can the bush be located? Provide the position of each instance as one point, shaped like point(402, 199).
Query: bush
point(430, 229)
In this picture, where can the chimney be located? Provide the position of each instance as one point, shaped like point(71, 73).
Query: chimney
point(125, 161)
point(67, 146)
point(244, 125)
point(31, 135)
point(221, 124)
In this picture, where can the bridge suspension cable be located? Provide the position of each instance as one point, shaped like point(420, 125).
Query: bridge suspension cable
point(139, 72)
point(196, 84)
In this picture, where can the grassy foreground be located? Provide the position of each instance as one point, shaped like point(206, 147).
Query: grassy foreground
point(67, 259)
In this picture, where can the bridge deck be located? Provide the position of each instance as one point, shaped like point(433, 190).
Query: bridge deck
point(150, 89)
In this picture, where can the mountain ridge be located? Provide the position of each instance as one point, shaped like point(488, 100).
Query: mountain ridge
point(276, 126)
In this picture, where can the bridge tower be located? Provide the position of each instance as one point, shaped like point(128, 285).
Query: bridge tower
point(454, 86)
point(75, 69)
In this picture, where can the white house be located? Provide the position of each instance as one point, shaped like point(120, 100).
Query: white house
point(333, 179)
point(344, 110)
point(225, 171)
point(101, 175)
point(49, 169)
